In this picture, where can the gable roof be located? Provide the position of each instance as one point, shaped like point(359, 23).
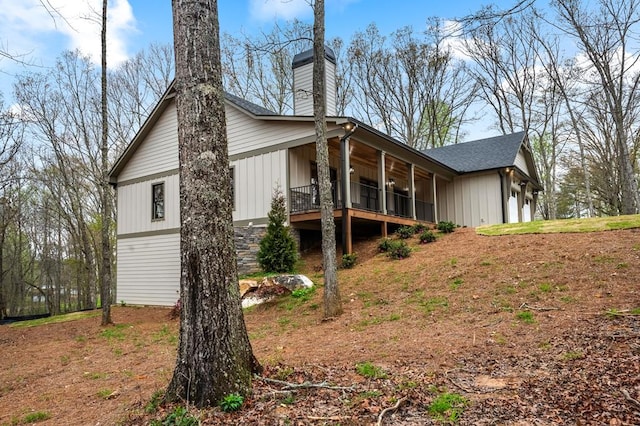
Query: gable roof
point(248, 106)
point(482, 154)
point(486, 154)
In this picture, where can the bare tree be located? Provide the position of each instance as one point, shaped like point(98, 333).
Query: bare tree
point(105, 273)
point(332, 301)
point(215, 358)
point(412, 88)
point(504, 52)
point(607, 36)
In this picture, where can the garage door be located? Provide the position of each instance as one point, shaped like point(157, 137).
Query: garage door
point(513, 207)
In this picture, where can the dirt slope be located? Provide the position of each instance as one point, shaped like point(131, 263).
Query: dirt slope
point(515, 325)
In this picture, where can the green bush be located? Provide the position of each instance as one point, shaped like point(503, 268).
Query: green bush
point(349, 260)
point(427, 237)
point(405, 232)
point(398, 250)
point(446, 227)
point(278, 251)
point(384, 245)
point(419, 228)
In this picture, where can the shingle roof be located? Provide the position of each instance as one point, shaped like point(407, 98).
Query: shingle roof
point(248, 106)
point(482, 154)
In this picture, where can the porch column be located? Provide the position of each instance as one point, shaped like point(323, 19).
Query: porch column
point(382, 182)
point(412, 190)
point(435, 199)
point(346, 195)
point(346, 176)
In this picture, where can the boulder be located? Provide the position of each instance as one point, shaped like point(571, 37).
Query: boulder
point(290, 282)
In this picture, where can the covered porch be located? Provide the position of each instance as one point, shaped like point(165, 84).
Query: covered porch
point(374, 187)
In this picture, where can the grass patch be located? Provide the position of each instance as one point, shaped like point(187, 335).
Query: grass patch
point(56, 319)
point(430, 304)
point(165, 334)
point(370, 371)
point(104, 393)
point(572, 355)
point(457, 282)
point(115, 332)
point(447, 407)
point(377, 320)
point(36, 416)
point(563, 225)
point(525, 317)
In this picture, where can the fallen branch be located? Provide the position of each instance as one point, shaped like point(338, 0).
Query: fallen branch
point(630, 399)
point(389, 409)
point(537, 308)
point(306, 385)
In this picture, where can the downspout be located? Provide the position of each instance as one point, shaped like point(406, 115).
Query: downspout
point(344, 183)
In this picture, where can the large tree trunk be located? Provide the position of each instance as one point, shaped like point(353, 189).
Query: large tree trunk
point(215, 357)
point(332, 302)
point(105, 279)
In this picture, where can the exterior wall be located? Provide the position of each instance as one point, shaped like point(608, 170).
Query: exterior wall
point(149, 267)
point(299, 165)
point(521, 162)
point(247, 246)
point(256, 177)
point(149, 270)
point(134, 206)
point(159, 151)
point(246, 134)
point(472, 200)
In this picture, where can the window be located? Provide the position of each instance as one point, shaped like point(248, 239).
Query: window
point(157, 201)
point(232, 183)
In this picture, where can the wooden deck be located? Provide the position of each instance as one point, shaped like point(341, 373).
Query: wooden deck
point(310, 218)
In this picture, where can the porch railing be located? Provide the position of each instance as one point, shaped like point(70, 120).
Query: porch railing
point(365, 197)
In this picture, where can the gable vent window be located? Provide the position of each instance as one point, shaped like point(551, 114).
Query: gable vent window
point(157, 205)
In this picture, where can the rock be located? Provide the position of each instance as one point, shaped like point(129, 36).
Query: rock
point(247, 285)
point(290, 282)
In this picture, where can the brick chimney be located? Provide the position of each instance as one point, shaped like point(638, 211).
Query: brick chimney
point(303, 82)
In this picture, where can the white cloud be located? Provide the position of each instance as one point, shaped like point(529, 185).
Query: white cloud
point(268, 10)
point(28, 26)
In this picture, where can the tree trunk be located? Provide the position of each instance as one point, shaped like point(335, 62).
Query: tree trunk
point(215, 358)
point(105, 279)
point(332, 302)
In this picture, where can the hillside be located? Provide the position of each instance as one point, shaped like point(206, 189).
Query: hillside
point(528, 329)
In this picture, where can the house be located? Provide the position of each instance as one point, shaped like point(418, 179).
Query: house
point(496, 181)
point(379, 184)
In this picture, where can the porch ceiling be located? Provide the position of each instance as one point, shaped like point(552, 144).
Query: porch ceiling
point(364, 155)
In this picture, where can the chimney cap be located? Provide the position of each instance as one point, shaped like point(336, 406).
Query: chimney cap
point(306, 57)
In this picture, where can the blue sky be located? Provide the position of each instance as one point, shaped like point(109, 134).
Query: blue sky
point(38, 36)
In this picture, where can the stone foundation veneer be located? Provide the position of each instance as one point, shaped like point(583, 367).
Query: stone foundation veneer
point(247, 239)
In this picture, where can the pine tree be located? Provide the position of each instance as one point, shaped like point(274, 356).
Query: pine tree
point(278, 251)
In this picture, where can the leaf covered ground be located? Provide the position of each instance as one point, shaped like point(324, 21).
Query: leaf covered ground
point(473, 330)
